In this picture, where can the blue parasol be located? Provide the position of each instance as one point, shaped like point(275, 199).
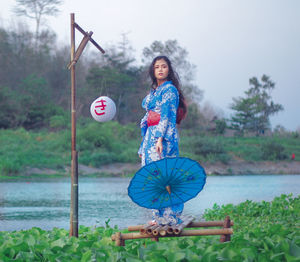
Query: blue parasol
point(167, 182)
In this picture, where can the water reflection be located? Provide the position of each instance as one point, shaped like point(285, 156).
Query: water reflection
point(46, 203)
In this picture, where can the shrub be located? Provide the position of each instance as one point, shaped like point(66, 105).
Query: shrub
point(205, 146)
point(273, 151)
point(204, 149)
point(220, 126)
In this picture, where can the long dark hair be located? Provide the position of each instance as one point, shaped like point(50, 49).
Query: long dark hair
point(172, 76)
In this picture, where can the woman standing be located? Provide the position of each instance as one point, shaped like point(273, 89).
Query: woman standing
point(165, 107)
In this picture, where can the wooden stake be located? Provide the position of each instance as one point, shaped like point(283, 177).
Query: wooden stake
point(225, 237)
point(119, 240)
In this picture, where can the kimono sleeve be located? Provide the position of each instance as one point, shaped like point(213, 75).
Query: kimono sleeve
point(144, 125)
point(168, 111)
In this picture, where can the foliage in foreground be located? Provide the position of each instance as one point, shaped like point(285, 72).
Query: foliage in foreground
point(265, 231)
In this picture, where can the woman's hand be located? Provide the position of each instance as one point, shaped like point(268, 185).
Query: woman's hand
point(159, 146)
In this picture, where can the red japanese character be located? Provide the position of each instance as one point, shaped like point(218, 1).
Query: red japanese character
point(101, 107)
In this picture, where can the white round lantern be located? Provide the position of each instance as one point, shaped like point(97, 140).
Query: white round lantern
point(103, 109)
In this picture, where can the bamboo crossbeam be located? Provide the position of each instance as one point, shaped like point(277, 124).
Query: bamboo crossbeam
point(90, 38)
point(80, 49)
point(178, 228)
point(192, 224)
point(195, 232)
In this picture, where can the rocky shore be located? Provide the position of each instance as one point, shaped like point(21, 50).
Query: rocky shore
point(232, 168)
point(244, 168)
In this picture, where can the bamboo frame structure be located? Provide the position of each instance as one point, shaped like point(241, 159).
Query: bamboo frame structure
point(155, 232)
point(75, 55)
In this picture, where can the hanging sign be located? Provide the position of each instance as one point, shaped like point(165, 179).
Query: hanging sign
point(103, 109)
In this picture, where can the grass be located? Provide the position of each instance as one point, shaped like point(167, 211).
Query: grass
point(110, 142)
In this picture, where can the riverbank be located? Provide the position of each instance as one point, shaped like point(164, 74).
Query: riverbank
point(128, 169)
point(259, 167)
point(111, 150)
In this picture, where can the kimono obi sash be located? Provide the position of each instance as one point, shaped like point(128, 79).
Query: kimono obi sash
point(153, 118)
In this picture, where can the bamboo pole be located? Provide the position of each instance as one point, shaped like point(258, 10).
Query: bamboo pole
point(151, 228)
point(192, 224)
point(147, 229)
point(163, 231)
point(170, 230)
point(74, 155)
point(178, 228)
point(184, 233)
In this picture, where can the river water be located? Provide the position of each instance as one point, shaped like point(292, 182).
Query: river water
point(46, 203)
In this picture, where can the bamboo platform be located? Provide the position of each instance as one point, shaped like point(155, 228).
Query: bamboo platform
point(154, 232)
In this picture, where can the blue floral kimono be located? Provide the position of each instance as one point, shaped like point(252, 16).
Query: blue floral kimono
point(163, 100)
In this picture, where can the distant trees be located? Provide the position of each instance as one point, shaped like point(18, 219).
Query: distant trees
point(179, 58)
point(36, 10)
point(252, 112)
point(32, 83)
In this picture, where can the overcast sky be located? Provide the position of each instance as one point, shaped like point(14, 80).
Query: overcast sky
point(229, 41)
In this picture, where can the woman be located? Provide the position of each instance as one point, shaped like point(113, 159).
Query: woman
point(165, 107)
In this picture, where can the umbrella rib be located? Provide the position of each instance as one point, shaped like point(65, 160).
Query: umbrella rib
point(143, 202)
point(189, 168)
point(179, 197)
point(149, 182)
point(147, 191)
point(190, 186)
point(141, 174)
point(173, 167)
point(185, 159)
point(152, 174)
point(180, 179)
point(178, 190)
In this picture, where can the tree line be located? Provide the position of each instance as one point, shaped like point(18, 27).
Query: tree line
point(35, 82)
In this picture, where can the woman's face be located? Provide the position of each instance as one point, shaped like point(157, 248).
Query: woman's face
point(161, 70)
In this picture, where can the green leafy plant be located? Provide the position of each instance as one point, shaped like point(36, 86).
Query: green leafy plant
point(263, 231)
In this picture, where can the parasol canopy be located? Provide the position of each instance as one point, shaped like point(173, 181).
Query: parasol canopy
point(167, 182)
